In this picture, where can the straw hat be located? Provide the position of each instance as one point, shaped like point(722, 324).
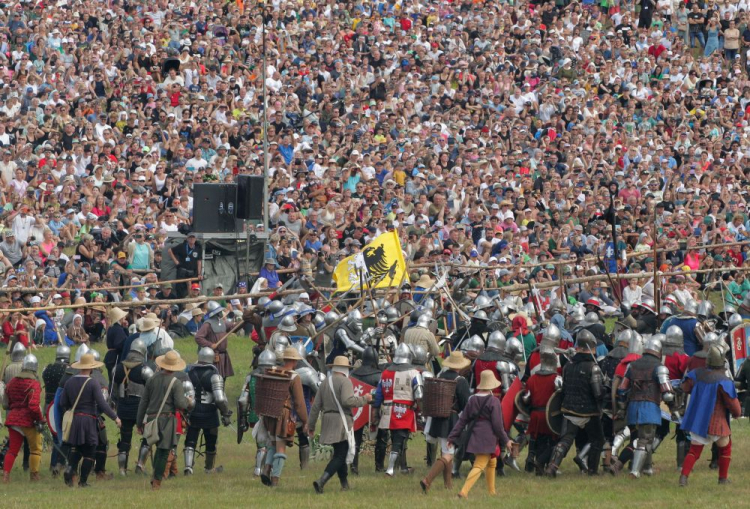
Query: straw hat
point(291, 354)
point(171, 361)
point(341, 361)
point(87, 362)
point(457, 361)
point(488, 381)
point(117, 314)
point(147, 324)
point(79, 301)
point(425, 281)
point(197, 312)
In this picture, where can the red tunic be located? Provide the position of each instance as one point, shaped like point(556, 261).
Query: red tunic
point(541, 387)
point(533, 360)
point(480, 365)
point(676, 364)
point(695, 363)
point(19, 330)
point(398, 401)
point(623, 366)
point(24, 395)
point(510, 412)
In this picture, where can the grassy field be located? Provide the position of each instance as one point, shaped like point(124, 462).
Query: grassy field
point(237, 488)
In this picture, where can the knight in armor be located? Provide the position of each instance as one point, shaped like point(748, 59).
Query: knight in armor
point(21, 399)
point(274, 313)
point(688, 322)
point(491, 358)
point(246, 416)
point(675, 360)
point(608, 366)
point(12, 370)
point(582, 394)
point(130, 377)
point(369, 372)
point(593, 324)
point(405, 303)
point(477, 326)
point(421, 335)
point(384, 336)
point(278, 428)
point(212, 334)
point(512, 385)
point(51, 376)
point(398, 391)
point(539, 389)
point(210, 400)
point(698, 359)
point(438, 428)
point(472, 348)
point(645, 385)
point(347, 336)
point(644, 319)
point(713, 399)
point(310, 384)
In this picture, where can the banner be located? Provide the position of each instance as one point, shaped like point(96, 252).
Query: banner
point(740, 337)
point(380, 263)
point(361, 415)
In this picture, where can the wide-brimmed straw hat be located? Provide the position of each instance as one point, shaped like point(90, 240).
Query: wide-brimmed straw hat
point(457, 361)
point(171, 361)
point(117, 314)
point(340, 361)
point(425, 281)
point(146, 324)
point(87, 362)
point(291, 354)
point(488, 381)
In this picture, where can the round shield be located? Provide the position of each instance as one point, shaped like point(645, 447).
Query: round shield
point(554, 413)
point(49, 415)
point(521, 405)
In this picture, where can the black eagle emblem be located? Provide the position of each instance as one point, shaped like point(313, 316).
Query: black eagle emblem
point(377, 263)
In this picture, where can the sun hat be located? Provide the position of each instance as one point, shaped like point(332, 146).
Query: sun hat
point(171, 361)
point(488, 381)
point(457, 361)
point(87, 362)
point(291, 354)
point(340, 361)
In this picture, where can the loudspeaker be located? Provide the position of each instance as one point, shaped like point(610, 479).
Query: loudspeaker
point(250, 197)
point(214, 208)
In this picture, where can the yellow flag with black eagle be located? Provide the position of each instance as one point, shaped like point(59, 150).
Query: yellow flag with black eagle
point(380, 264)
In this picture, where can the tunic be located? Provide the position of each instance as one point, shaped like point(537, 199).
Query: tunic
point(713, 398)
point(541, 387)
point(488, 429)
point(156, 389)
point(207, 337)
point(294, 410)
point(23, 394)
point(85, 427)
point(332, 429)
point(51, 376)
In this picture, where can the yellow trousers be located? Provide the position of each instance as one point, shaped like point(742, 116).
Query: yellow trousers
point(482, 463)
point(16, 442)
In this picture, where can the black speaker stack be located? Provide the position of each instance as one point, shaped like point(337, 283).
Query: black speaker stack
point(221, 208)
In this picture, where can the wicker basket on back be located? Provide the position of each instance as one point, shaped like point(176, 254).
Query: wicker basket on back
point(272, 391)
point(438, 397)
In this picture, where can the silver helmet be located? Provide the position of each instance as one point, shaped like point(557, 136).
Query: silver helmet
point(691, 307)
point(648, 305)
point(263, 302)
point(481, 315)
point(300, 347)
point(705, 309)
point(424, 322)
point(636, 344)
point(729, 309)
point(482, 302)
point(30, 363)
point(428, 303)
point(205, 355)
point(592, 318)
point(577, 315)
point(556, 306)
point(82, 350)
point(624, 336)
point(497, 341)
point(513, 348)
point(714, 358)
point(654, 345)
point(274, 307)
point(287, 324)
point(735, 320)
point(473, 344)
point(403, 354)
point(419, 355)
point(331, 317)
point(665, 310)
point(391, 314)
point(674, 337)
point(552, 333)
point(18, 352)
point(62, 353)
point(710, 339)
point(266, 359)
point(95, 354)
point(139, 346)
point(214, 309)
point(319, 320)
point(586, 340)
point(354, 320)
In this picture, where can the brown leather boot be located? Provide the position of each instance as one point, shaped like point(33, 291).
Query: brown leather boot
point(35, 476)
point(448, 475)
point(274, 482)
point(437, 467)
point(168, 468)
point(104, 476)
point(173, 468)
point(6, 477)
point(156, 485)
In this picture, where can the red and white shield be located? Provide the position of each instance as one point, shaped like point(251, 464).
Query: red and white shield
point(49, 415)
point(361, 415)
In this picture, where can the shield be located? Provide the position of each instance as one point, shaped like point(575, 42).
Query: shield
point(361, 415)
point(49, 416)
point(554, 413)
point(521, 405)
point(510, 412)
point(305, 340)
point(740, 338)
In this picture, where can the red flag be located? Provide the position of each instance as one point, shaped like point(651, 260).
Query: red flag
point(361, 415)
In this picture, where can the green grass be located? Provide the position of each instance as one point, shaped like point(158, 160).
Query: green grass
point(237, 488)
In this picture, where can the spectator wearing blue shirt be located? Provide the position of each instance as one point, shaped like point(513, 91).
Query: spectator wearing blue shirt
point(269, 273)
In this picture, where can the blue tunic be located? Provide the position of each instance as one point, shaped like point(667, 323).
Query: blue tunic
point(703, 400)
